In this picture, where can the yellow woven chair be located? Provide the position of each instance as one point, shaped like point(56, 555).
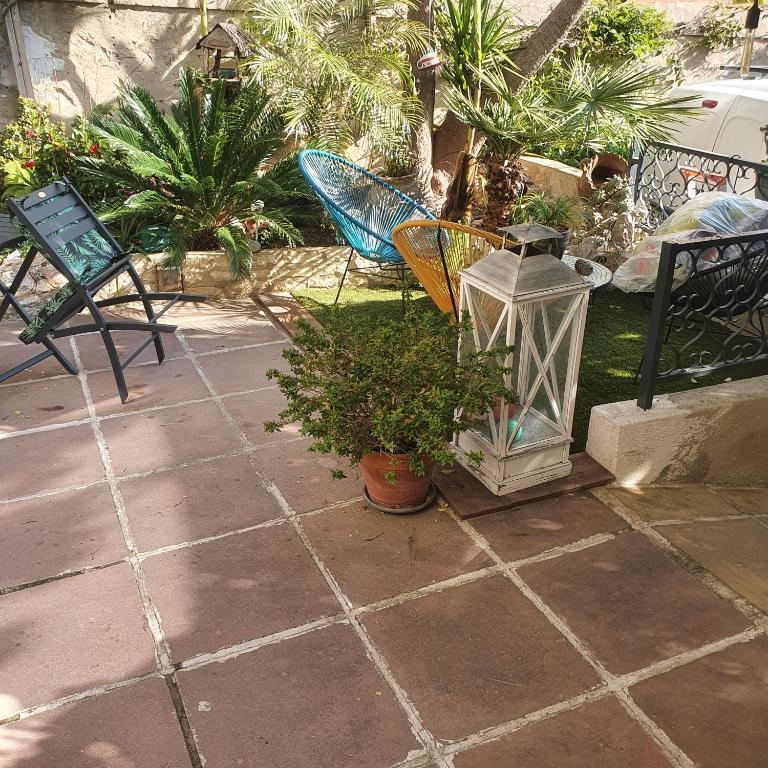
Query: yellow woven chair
point(436, 251)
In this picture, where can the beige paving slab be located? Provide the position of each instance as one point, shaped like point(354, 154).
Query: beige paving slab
point(736, 551)
point(670, 503)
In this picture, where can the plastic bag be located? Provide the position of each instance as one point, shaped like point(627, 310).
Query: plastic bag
point(709, 214)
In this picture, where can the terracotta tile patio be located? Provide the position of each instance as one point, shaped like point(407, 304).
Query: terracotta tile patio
point(179, 588)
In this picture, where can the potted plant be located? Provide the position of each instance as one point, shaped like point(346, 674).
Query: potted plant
point(387, 397)
point(561, 213)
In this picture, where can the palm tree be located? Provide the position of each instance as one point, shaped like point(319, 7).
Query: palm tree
point(476, 37)
point(200, 171)
point(583, 104)
point(339, 67)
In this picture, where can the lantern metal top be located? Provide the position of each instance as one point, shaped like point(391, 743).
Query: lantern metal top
point(519, 278)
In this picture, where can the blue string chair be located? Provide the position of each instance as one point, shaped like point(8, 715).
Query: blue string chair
point(364, 208)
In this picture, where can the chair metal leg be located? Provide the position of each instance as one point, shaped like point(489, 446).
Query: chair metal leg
point(9, 297)
point(114, 361)
point(346, 269)
point(141, 290)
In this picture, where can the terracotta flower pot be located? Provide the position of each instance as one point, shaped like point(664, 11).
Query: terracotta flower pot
point(409, 490)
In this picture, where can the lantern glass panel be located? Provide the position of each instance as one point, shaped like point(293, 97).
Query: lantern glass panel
point(544, 343)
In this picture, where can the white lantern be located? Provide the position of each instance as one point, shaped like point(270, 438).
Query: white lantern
point(537, 305)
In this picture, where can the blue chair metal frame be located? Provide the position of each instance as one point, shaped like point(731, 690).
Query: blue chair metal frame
point(364, 208)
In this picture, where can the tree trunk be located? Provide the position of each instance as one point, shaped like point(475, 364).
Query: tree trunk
point(547, 37)
point(421, 134)
point(505, 182)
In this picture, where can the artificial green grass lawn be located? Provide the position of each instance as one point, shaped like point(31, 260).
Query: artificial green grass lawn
point(613, 343)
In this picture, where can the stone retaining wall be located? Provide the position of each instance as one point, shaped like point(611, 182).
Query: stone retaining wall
point(712, 435)
point(275, 270)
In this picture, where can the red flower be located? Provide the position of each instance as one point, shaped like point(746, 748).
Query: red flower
point(31, 134)
point(93, 149)
point(29, 164)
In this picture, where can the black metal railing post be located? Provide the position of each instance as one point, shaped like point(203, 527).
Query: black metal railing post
point(656, 326)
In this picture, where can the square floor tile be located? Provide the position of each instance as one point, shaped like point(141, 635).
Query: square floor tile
point(630, 603)
point(43, 461)
point(195, 502)
point(166, 438)
point(93, 353)
point(252, 410)
point(214, 595)
point(242, 369)
point(750, 501)
point(71, 635)
point(41, 403)
point(670, 503)
point(132, 727)
point(227, 327)
point(49, 535)
point(13, 352)
point(716, 708)
point(533, 528)
point(314, 700)
point(149, 386)
point(597, 735)
point(304, 478)
point(477, 655)
point(373, 556)
point(736, 551)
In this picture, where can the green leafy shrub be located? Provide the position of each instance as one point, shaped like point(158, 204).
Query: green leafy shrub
point(35, 150)
point(621, 29)
point(338, 69)
point(201, 171)
point(557, 212)
point(715, 27)
point(394, 386)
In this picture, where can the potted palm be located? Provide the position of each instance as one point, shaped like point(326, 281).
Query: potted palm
point(561, 213)
point(202, 171)
point(387, 397)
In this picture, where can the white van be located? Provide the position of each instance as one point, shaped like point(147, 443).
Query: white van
point(733, 114)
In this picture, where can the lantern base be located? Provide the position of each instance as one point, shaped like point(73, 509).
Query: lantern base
point(516, 473)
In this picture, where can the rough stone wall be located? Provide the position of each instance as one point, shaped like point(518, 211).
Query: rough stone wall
point(8, 91)
point(79, 51)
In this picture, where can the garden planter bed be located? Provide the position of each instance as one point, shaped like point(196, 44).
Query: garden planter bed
point(275, 270)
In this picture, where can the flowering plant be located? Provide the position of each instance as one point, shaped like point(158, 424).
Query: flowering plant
point(35, 150)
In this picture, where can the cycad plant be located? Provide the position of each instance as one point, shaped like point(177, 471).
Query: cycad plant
point(586, 105)
point(200, 170)
point(339, 67)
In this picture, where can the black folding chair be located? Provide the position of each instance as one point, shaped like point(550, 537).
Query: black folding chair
point(12, 237)
point(80, 247)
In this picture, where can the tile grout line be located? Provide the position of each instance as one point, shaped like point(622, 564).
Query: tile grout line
point(127, 414)
point(685, 561)
point(79, 696)
point(422, 735)
point(676, 756)
point(162, 651)
point(145, 364)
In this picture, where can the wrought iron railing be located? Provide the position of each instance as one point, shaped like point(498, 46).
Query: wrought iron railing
point(709, 310)
point(664, 176)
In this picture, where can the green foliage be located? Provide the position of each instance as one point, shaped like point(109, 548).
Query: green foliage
point(476, 37)
point(621, 29)
point(582, 107)
point(717, 28)
point(35, 150)
point(557, 212)
point(339, 68)
point(395, 385)
point(200, 171)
